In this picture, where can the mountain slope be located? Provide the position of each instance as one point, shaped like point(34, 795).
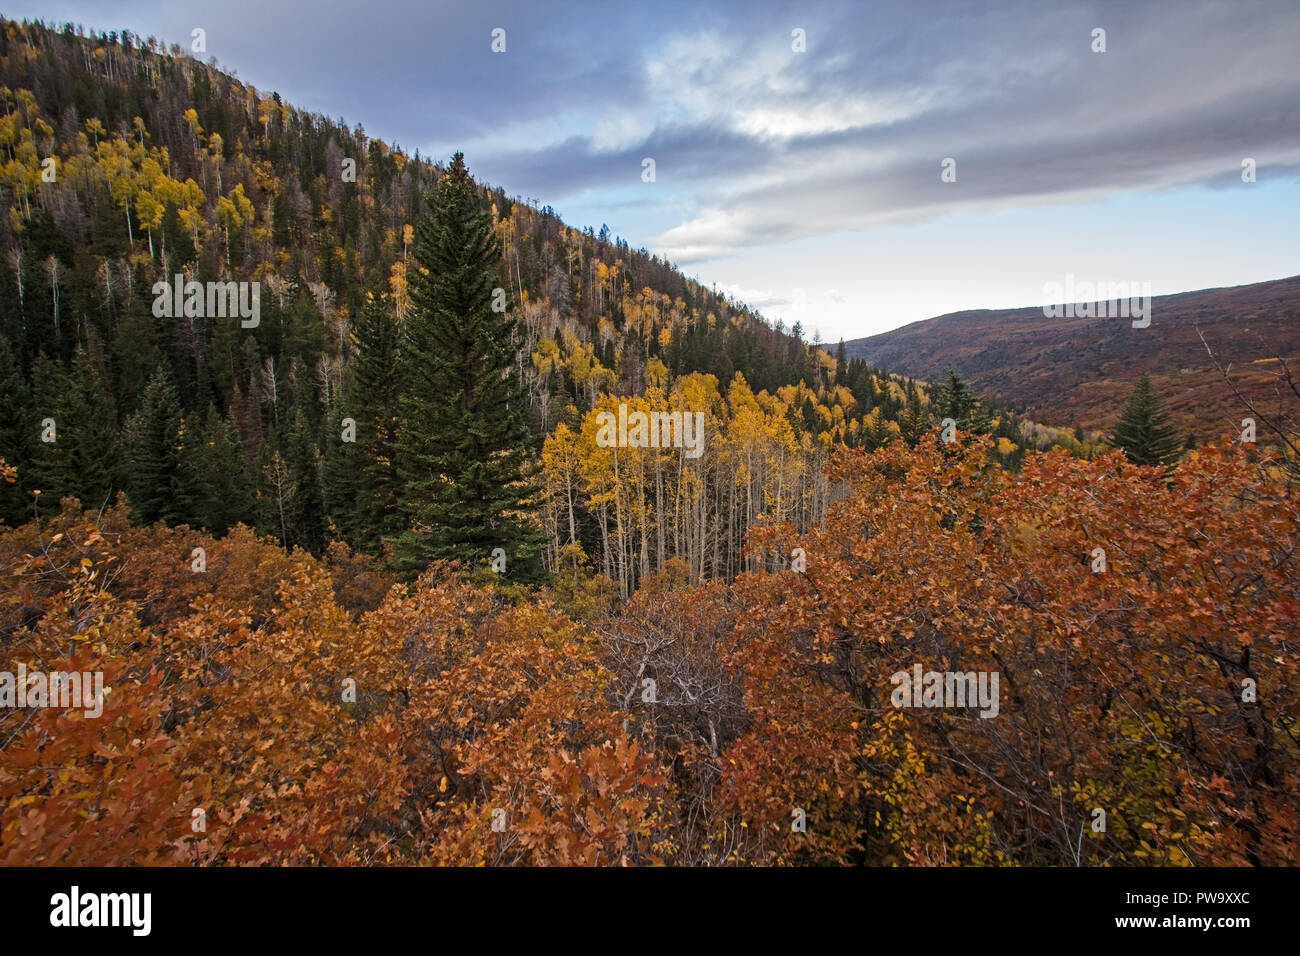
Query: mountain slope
point(124, 165)
point(1079, 370)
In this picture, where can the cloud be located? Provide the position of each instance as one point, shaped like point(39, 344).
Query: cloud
point(762, 145)
point(757, 299)
point(1172, 102)
point(757, 144)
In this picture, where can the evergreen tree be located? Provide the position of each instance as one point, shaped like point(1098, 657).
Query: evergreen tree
point(339, 478)
point(136, 352)
point(913, 423)
point(465, 448)
point(302, 456)
point(152, 472)
point(1145, 432)
point(291, 476)
point(18, 437)
point(49, 472)
point(877, 433)
point(811, 422)
point(215, 489)
point(82, 460)
point(371, 402)
point(954, 399)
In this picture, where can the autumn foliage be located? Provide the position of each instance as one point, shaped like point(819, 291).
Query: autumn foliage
point(315, 711)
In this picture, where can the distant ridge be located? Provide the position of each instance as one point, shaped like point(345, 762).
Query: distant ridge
point(1070, 371)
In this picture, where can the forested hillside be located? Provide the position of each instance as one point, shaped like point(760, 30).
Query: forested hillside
point(126, 164)
point(479, 540)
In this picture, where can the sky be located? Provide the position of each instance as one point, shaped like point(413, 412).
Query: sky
point(799, 149)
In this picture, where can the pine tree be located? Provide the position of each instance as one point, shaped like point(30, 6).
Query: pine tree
point(136, 351)
point(465, 447)
point(339, 478)
point(82, 460)
point(303, 458)
point(299, 446)
point(371, 401)
point(18, 437)
point(49, 473)
point(152, 455)
point(214, 486)
point(913, 423)
point(1145, 432)
point(91, 407)
point(954, 399)
point(877, 433)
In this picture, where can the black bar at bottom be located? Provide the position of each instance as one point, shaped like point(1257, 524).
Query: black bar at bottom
point(332, 906)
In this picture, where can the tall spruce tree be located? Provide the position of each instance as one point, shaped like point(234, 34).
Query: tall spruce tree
point(302, 456)
point(152, 461)
point(1145, 432)
point(50, 472)
point(340, 479)
point(18, 437)
point(954, 399)
point(877, 433)
point(82, 461)
point(913, 423)
point(371, 401)
point(465, 450)
point(215, 489)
